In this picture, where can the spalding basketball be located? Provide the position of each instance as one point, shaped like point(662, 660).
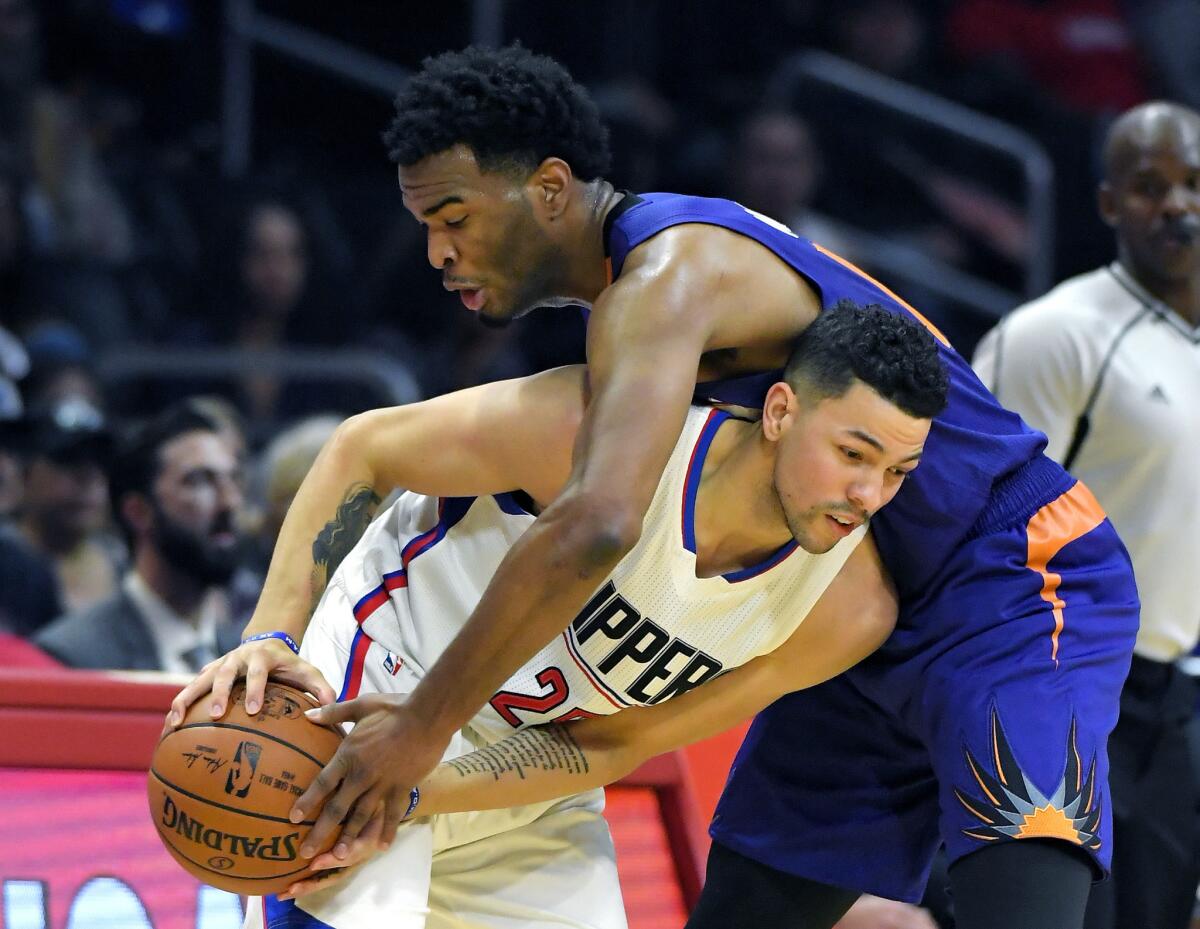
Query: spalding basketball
point(220, 790)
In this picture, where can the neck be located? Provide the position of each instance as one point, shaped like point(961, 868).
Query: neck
point(181, 593)
point(1181, 295)
point(43, 537)
point(738, 520)
point(587, 274)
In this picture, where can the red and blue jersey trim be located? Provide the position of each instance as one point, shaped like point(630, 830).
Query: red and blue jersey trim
point(451, 510)
point(691, 485)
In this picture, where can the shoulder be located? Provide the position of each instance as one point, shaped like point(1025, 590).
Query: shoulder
point(1079, 304)
point(1073, 323)
point(88, 630)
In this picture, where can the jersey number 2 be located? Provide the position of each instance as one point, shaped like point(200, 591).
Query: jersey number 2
point(506, 701)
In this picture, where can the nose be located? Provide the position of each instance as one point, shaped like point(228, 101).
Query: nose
point(1180, 200)
point(866, 495)
point(440, 250)
point(229, 494)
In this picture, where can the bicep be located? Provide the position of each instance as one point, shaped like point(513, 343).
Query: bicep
point(508, 435)
point(643, 355)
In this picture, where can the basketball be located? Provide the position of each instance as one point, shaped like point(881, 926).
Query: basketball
point(220, 790)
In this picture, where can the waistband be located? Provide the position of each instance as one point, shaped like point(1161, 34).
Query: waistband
point(1018, 495)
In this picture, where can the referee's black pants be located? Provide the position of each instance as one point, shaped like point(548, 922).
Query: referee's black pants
point(1153, 783)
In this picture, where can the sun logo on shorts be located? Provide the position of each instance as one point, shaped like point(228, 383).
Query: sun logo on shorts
point(1015, 809)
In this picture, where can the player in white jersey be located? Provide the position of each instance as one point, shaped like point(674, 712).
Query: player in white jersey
point(749, 526)
point(1107, 364)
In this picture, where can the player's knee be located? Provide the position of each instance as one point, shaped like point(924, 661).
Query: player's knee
point(1032, 883)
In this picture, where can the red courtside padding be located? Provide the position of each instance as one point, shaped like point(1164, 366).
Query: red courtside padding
point(77, 849)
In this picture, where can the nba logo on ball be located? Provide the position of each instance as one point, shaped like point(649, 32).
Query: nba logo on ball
point(241, 772)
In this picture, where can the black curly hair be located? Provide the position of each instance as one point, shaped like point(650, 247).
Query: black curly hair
point(894, 355)
point(512, 108)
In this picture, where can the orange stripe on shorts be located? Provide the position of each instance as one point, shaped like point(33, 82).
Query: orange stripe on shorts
point(1059, 522)
point(863, 274)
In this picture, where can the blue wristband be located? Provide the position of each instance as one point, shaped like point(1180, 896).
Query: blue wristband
point(414, 797)
point(282, 636)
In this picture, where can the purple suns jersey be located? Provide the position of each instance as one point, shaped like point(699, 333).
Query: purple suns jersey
point(973, 445)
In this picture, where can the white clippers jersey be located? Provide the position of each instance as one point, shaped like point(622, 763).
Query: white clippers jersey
point(651, 631)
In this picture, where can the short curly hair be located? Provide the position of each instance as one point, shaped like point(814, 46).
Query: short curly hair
point(512, 108)
point(889, 352)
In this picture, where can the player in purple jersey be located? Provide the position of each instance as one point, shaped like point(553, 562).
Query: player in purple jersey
point(984, 717)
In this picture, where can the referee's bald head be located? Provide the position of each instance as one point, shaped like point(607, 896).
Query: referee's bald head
point(1152, 125)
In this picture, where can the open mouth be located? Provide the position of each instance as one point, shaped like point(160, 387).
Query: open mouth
point(473, 299)
point(842, 525)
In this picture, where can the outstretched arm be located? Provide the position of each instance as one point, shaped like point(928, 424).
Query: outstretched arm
point(470, 442)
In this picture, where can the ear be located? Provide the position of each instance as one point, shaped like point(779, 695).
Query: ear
point(550, 187)
point(1106, 202)
point(779, 411)
point(137, 513)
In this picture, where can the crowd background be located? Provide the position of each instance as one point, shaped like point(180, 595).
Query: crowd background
point(273, 284)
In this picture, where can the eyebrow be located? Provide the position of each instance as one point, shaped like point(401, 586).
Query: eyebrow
point(445, 201)
point(878, 446)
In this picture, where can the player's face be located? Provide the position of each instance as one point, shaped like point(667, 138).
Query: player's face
point(483, 233)
point(197, 502)
point(840, 460)
point(1154, 204)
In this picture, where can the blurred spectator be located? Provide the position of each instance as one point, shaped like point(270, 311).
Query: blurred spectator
point(61, 367)
point(64, 510)
point(272, 280)
point(271, 296)
point(78, 210)
point(285, 462)
point(1081, 51)
point(776, 169)
point(11, 480)
point(241, 593)
point(1107, 366)
point(177, 491)
point(78, 227)
point(641, 126)
point(892, 37)
point(283, 465)
point(230, 423)
point(29, 595)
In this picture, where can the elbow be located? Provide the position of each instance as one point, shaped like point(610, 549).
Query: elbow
point(596, 533)
point(610, 751)
point(349, 438)
point(354, 448)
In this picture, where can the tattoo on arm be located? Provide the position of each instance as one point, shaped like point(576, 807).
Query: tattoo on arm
point(340, 534)
point(546, 748)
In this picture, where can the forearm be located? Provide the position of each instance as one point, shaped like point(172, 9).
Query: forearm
point(531, 766)
point(539, 587)
point(328, 516)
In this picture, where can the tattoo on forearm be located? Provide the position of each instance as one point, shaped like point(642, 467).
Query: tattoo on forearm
point(546, 748)
point(341, 533)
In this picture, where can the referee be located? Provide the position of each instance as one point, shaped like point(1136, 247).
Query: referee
point(1107, 364)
